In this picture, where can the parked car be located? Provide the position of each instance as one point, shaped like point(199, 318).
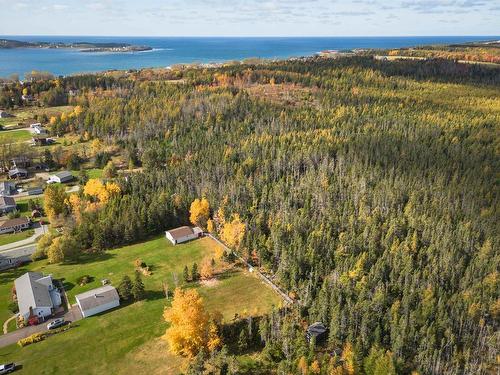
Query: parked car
point(7, 368)
point(56, 323)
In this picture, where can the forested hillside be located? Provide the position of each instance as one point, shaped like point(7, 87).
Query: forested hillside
point(369, 190)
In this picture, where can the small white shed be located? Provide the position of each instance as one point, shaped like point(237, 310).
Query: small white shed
point(98, 300)
point(183, 234)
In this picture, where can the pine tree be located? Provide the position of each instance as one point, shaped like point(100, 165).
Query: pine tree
point(194, 272)
point(185, 274)
point(243, 340)
point(125, 288)
point(138, 287)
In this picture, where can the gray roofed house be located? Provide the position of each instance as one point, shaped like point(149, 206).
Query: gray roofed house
point(60, 177)
point(98, 300)
point(7, 204)
point(14, 225)
point(7, 188)
point(36, 295)
point(15, 257)
point(18, 173)
point(35, 190)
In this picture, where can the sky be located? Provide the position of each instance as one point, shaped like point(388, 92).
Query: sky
point(249, 17)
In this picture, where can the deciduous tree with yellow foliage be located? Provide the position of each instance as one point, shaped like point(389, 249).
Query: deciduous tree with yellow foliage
point(192, 329)
point(100, 192)
point(199, 212)
point(54, 200)
point(233, 231)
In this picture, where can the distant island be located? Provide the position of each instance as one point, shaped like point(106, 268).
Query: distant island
point(82, 46)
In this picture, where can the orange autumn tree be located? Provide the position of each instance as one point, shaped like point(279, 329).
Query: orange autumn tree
point(206, 269)
point(199, 212)
point(192, 329)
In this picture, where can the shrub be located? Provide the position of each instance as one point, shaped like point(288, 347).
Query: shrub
point(13, 307)
point(85, 279)
point(14, 214)
point(37, 337)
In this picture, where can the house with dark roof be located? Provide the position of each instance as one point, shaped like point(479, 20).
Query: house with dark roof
point(14, 225)
point(18, 173)
point(7, 188)
point(60, 177)
point(7, 204)
point(37, 296)
point(39, 139)
point(98, 300)
point(37, 190)
point(183, 234)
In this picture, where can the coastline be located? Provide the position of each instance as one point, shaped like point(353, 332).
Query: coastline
point(172, 51)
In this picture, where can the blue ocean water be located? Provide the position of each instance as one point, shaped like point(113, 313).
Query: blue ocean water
point(172, 50)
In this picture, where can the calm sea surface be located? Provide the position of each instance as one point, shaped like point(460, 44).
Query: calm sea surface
point(169, 50)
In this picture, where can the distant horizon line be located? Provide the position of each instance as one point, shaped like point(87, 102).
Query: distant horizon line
point(250, 36)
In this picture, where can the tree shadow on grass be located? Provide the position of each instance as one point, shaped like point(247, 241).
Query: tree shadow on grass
point(227, 274)
point(153, 295)
point(92, 258)
point(12, 274)
point(67, 284)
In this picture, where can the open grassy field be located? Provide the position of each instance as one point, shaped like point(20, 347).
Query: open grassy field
point(92, 173)
point(128, 339)
point(23, 114)
point(14, 136)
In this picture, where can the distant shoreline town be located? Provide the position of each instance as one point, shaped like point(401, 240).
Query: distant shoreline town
point(82, 46)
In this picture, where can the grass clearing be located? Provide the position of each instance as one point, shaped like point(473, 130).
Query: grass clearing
point(92, 172)
point(14, 237)
point(14, 136)
point(129, 337)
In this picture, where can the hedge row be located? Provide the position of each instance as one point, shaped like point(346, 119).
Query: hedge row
point(37, 337)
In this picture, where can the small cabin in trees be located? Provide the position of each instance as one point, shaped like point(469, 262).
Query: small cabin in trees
point(318, 331)
point(183, 234)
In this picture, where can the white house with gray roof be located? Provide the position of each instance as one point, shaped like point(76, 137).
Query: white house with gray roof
point(98, 300)
point(60, 177)
point(36, 295)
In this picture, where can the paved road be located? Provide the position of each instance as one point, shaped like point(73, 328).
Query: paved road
point(72, 315)
point(24, 194)
point(39, 231)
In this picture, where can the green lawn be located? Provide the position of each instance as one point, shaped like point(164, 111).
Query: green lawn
point(22, 206)
point(13, 237)
point(127, 339)
point(92, 173)
point(14, 136)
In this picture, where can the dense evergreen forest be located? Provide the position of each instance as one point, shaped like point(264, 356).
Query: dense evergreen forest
point(369, 190)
